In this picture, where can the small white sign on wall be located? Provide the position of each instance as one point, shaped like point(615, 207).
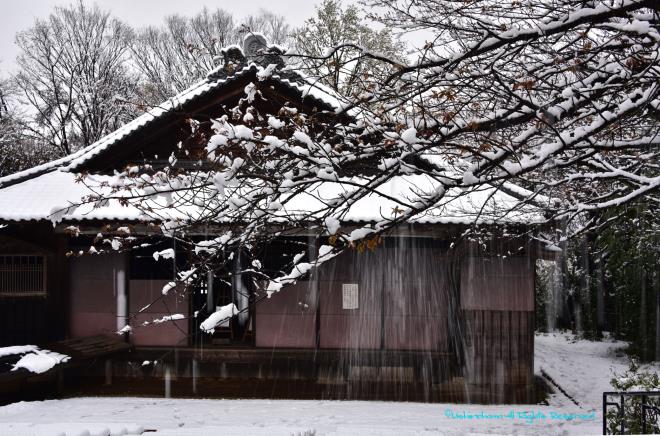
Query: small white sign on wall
point(349, 292)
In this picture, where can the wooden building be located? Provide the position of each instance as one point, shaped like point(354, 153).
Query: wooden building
point(415, 319)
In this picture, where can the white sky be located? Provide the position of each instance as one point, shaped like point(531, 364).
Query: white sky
point(20, 14)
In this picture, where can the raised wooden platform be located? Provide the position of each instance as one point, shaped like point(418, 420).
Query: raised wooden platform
point(81, 349)
point(248, 372)
point(107, 366)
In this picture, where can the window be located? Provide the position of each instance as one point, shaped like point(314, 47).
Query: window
point(22, 276)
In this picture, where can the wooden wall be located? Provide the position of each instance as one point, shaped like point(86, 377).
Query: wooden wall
point(351, 328)
point(497, 305)
point(405, 302)
point(416, 312)
point(288, 318)
point(35, 319)
point(496, 283)
point(499, 346)
point(170, 333)
point(402, 302)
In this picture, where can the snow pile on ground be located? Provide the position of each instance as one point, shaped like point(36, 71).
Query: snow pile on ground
point(17, 349)
point(33, 359)
point(583, 370)
point(40, 361)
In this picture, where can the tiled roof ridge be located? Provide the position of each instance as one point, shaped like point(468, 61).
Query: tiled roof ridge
point(256, 53)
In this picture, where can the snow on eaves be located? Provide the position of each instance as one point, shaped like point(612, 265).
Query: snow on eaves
point(482, 205)
point(315, 89)
point(36, 198)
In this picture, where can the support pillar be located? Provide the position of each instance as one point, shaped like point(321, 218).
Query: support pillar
point(121, 290)
point(210, 297)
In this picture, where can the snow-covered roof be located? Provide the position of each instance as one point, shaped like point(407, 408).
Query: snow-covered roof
point(35, 193)
point(38, 197)
point(35, 199)
point(483, 205)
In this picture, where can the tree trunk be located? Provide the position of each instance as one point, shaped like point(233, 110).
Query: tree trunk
point(600, 299)
point(643, 324)
point(657, 316)
point(564, 311)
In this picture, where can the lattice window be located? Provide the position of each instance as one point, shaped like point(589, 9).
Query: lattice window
point(22, 275)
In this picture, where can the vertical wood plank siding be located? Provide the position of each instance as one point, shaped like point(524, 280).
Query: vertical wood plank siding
point(499, 347)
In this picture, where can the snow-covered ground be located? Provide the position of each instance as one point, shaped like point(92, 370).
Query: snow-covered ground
point(582, 368)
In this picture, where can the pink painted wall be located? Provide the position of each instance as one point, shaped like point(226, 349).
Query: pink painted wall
point(493, 283)
point(93, 304)
point(284, 321)
point(351, 328)
point(169, 333)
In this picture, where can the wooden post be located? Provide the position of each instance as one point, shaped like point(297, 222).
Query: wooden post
point(108, 372)
point(195, 374)
point(168, 381)
point(240, 293)
point(122, 296)
point(312, 249)
point(210, 298)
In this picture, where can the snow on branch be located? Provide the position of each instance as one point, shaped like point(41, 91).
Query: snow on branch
point(218, 317)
